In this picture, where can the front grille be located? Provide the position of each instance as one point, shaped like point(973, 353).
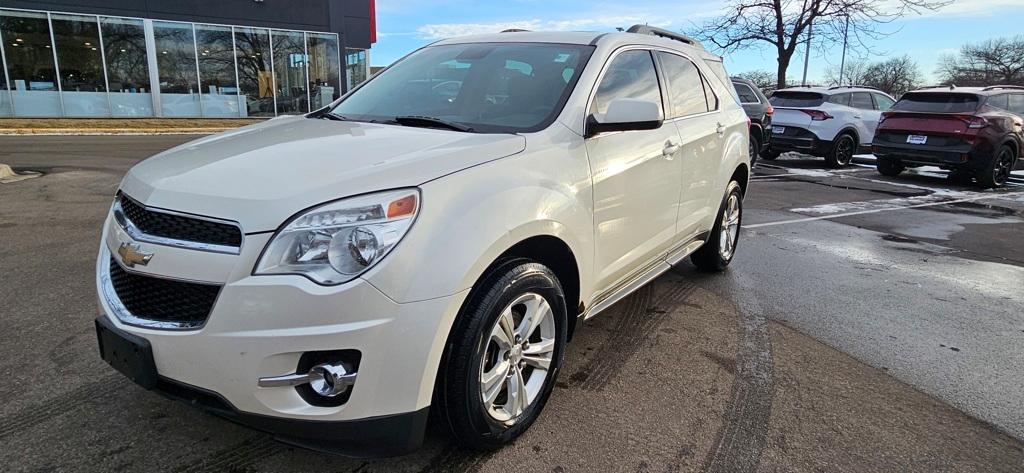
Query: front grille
point(178, 227)
point(163, 300)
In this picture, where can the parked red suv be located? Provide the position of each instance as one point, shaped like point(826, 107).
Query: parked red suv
point(975, 132)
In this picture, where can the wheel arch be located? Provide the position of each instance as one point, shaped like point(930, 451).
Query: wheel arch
point(742, 176)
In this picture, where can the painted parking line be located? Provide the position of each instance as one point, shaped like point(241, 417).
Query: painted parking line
point(870, 211)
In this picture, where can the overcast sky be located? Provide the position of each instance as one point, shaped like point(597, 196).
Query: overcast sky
point(404, 25)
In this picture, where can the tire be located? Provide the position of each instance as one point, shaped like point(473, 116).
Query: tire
point(998, 171)
point(889, 167)
point(720, 248)
point(514, 289)
point(770, 155)
point(842, 151)
point(754, 145)
point(960, 176)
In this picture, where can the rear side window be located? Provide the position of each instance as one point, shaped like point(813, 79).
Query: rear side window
point(1017, 104)
point(999, 101)
point(710, 94)
point(840, 99)
point(862, 101)
point(631, 75)
point(883, 102)
point(932, 102)
point(747, 94)
point(684, 85)
point(796, 99)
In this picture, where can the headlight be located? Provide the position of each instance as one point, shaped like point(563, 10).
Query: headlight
point(336, 242)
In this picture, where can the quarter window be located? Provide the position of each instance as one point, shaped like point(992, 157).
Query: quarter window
point(747, 94)
point(861, 100)
point(841, 99)
point(1017, 104)
point(999, 101)
point(685, 86)
point(882, 102)
point(630, 75)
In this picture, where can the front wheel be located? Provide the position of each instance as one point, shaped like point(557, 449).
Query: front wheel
point(503, 355)
point(720, 248)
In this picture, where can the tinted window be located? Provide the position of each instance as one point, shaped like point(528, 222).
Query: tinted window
point(861, 100)
point(796, 99)
point(491, 87)
point(840, 99)
point(685, 89)
point(1017, 104)
point(747, 94)
point(999, 101)
point(882, 102)
point(631, 75)
point(937, 102)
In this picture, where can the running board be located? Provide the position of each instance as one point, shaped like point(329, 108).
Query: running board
point(646, 276)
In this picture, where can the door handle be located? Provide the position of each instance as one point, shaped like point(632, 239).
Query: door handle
point(857, 116)
point(720, 130)
point(670, 149)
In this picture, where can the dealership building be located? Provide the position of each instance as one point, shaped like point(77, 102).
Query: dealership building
point(180, 58)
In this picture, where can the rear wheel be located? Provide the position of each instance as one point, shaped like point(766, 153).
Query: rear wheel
point(720, 248)
point(842, 151)
point(889, 167)
point(770, 155)
point(998, 171)
point(503, 355)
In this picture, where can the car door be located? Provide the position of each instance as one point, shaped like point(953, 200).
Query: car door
point(635, 175)
point(689, 102)
point(865, 116)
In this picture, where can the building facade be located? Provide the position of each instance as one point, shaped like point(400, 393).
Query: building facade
point(181, 58)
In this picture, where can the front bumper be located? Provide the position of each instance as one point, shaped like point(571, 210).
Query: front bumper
point(260, 326)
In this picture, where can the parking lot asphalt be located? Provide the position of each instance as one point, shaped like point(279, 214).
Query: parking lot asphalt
point(867, 324)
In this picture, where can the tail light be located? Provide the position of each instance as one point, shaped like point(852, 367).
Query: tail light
point(817, 115)
point(885, 116)
point(770, 111)
point(977, 122)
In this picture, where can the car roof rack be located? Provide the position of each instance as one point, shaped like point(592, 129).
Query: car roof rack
point(1000, 87)
point(836, 87)
point(939, 86)
point(515, 30)
point(655, 31)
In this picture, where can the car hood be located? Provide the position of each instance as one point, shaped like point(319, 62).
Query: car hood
point(261, 175)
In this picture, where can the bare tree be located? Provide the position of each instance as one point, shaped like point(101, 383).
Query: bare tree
point(853, 74)
point(895, 76)
point(995, 61)
point(764, 80)
point(784, 23)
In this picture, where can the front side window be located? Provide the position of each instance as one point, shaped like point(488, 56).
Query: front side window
point(861, 100)
point(747, 94)
point(685, 86)
point(631, 75)
point(489, 87)
point(883, 102)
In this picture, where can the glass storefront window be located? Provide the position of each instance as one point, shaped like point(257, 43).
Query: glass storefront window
point(290, 72)
point(176, 65)
point(5, 95)
point(217, 71)
point(124, 44)
point(324, 69)
point(30, 63)
point(80, 64)
point(255, 80)
point(356, 67)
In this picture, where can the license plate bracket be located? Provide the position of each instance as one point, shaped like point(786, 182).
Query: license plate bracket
point(130, 354)
point(917, 139)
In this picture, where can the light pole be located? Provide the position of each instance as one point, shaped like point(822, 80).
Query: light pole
point(842, 63)
point(807, 54)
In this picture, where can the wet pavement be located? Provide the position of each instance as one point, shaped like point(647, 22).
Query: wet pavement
point(868, 324)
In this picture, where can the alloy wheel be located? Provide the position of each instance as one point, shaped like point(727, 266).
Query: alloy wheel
point(517, 357)
point(844, 150)
point(730, 227)
point(1002, 168)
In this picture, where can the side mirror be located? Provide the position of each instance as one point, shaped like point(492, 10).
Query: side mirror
point(626, 115)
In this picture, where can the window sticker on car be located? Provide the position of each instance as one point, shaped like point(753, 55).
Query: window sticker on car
point(778, 130)
point(917, 139)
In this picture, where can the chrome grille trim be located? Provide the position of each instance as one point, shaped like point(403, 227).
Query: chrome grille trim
point(139, 235)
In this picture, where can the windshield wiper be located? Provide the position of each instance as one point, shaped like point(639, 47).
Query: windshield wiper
point(431, 122)
point(332, 116)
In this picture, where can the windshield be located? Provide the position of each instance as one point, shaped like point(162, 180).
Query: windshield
point(932, 102)
point(487, 87)
point(796, 99)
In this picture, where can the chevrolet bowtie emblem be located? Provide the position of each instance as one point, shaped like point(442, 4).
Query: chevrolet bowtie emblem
point(132, 255)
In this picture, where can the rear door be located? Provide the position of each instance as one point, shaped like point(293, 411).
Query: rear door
point(692, 107)
point(865, 117)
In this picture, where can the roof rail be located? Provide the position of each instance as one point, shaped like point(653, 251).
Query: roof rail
point(654, 31)
point(999, 87)
point(514, 30)
point(939, 86)
point(855, 87)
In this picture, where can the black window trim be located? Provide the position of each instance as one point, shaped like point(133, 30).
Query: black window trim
point(604, 69)
point(705, 84)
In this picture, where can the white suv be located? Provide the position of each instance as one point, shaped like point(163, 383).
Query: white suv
point(834, 123)
point(432, 239)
